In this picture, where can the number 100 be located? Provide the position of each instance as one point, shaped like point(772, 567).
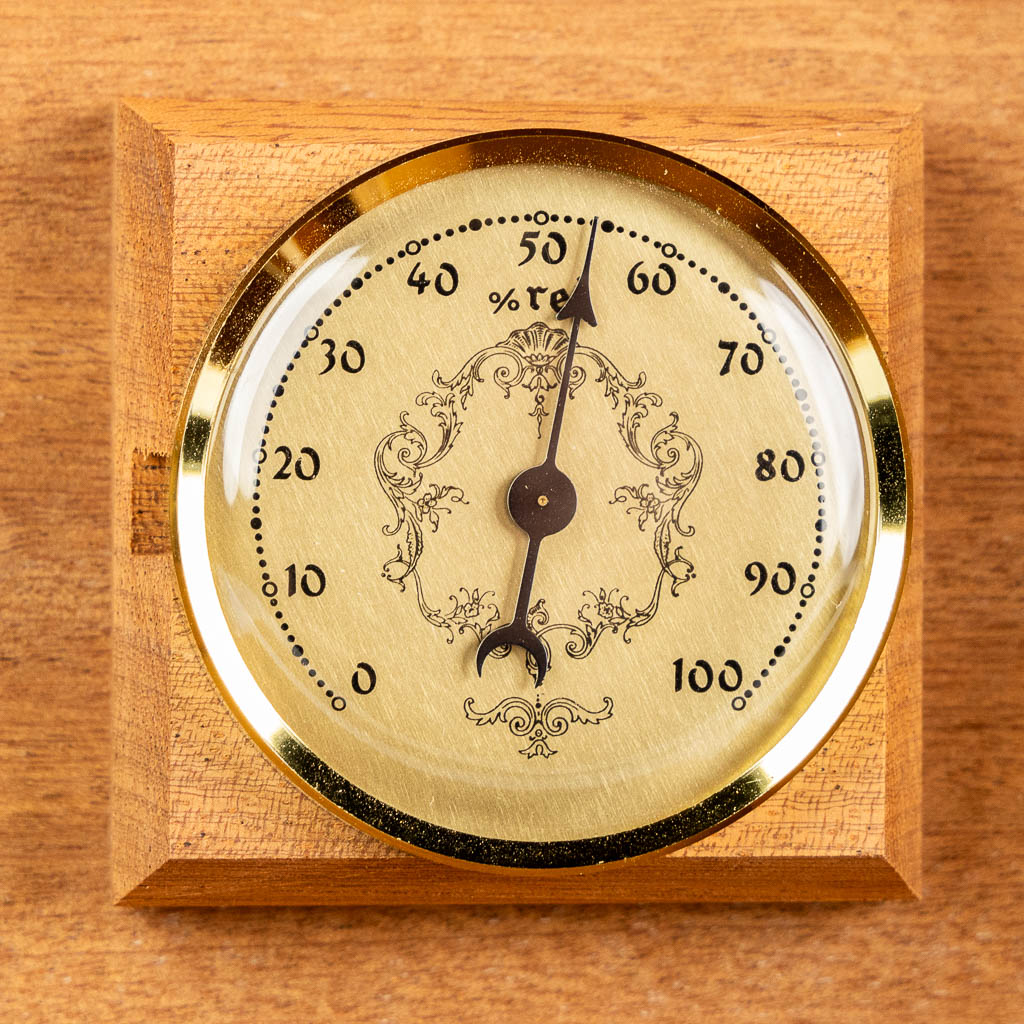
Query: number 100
point(702, 676)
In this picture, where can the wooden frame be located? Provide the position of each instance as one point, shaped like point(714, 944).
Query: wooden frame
point(199, 816)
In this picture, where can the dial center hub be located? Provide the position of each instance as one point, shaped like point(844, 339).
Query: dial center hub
point(542, 500)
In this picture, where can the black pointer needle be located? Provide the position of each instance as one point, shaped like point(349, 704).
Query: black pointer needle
point(542, 500)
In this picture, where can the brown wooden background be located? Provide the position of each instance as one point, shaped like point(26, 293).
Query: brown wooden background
point(67, 954)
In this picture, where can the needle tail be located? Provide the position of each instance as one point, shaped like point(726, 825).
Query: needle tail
point(516, 635)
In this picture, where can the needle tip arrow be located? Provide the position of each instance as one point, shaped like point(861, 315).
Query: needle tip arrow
point(578, 306)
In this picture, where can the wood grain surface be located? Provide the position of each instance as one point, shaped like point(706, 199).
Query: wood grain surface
point(199, 189)
point(66, 954)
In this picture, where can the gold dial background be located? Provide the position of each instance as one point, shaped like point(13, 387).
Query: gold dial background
point(409, 744)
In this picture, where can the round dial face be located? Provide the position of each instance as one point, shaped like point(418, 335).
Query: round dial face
point(541, 501)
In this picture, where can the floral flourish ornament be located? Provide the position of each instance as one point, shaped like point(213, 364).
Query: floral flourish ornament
point(532, 358)
point(538, 722)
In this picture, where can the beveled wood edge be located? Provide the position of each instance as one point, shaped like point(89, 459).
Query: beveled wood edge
point(410, 881)
point(280, 121)
point(903, 790)
point(142, 256)
point(896, 875)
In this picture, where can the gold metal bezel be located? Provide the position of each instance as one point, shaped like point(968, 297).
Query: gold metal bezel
point(888, 456)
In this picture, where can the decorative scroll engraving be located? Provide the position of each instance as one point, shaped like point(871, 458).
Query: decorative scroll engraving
point(532, 359)
point(537, 722)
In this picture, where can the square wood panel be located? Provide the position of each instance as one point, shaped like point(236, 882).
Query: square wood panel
point(200, 817)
